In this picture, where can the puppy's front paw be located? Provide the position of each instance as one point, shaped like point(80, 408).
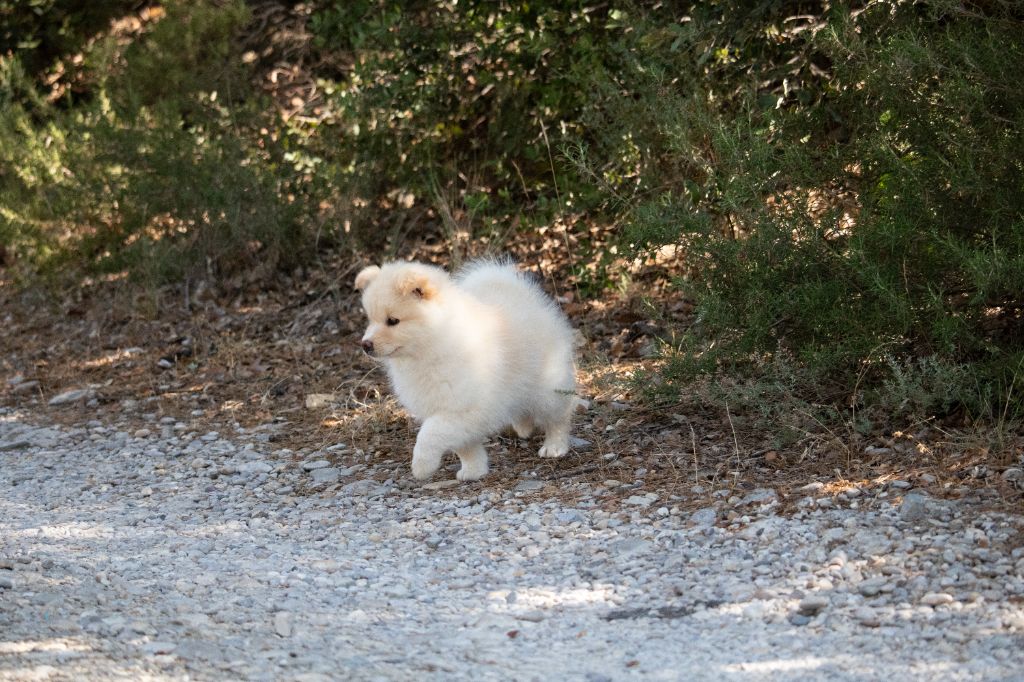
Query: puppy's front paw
point(553, 449)
point(472, 471)
point(424, 467)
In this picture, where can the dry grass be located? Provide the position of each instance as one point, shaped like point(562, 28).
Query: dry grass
point(248, 356)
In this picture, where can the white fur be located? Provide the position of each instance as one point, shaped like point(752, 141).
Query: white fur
point(470, 356)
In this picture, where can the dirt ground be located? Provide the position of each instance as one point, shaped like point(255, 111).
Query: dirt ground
point(283, 357)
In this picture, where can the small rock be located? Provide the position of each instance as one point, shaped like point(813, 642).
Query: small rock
point(1013, 474)
point(631, 547)
point(283, 624)
point(19, 444)
point(812, 605)
point(812, 487)
point(918, 507)
point(315, 464)
point(529, 486)
point(703, 517)
point(936, 599)
point(365, 486)
point(867, 617)
point(440, 485)
point(871, 588)
point(798, 619)
point(326, 476)
point(158, 648)
point(641, 500)
point(6, 583)
point(254, 468)
point(579, 443)
point(72, 396)
point(900, 485)
point(569, 516)
point(326, 565)
point(434, 541)
point(25, 387)
point(758, 496)
point(531, 616)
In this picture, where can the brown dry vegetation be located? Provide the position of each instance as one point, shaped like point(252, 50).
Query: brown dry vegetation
point(248, 355)
point(245, 351)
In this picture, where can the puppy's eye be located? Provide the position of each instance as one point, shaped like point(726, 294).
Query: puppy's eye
point(392, 322)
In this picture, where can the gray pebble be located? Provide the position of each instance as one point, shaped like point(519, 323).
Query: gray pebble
point(703, 517)
point(812, 605)
point(195, 556)
point(529, 486)
point(798, 619)
point(315, 464)
point(72, 396)
point(441, 485)
point(325, 476)
point(936, 599)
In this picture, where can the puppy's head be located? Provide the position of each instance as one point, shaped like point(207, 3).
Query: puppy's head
point(400, 300)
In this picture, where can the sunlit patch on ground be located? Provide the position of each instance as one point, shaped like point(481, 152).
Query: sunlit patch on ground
point(29, 646)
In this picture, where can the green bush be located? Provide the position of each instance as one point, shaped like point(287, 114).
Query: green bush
point(843, 180)
point(474, 98)
point(849, 194)
point(170, 168)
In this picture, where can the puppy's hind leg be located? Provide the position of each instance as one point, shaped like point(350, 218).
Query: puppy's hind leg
point(523, 427)
point(474, 462)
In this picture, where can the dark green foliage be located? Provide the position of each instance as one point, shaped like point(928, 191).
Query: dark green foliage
point(162, 170)
point(478, 89)
point(41, 31)
point(844, 181)
point(848, 195)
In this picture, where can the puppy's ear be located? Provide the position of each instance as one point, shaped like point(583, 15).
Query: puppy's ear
point(417, 284)
point(365, 276)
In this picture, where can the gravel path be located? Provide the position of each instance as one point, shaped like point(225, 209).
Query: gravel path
point(164, 554)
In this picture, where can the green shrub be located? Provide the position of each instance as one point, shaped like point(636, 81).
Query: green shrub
point(843, 180)
point(471, 97)
point(849, 194)
point(171, 168)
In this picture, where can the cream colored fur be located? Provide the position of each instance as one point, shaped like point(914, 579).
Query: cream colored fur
point(469, 356)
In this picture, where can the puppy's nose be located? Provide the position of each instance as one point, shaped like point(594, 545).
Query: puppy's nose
point(368, 346)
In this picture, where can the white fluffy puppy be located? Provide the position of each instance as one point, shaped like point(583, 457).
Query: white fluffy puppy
point(470, 355)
